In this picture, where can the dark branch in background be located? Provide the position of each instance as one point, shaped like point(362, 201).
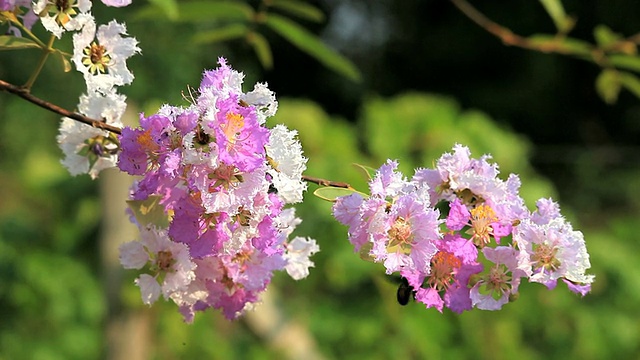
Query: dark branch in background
point(25, 94)
point(504, 34)
point(509, 38)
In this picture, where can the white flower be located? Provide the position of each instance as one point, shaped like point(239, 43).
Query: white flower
point(169, 261)
point(297, 256)
point(88, 149)
point(149, 288)
point(103, 62)
point(287, 163)
point(556, 251)
point(108, 106)
point(58, 16)
point(263, 99)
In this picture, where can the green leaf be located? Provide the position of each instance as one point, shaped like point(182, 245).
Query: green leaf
point(554, 8)
point(332, 193)
point(630, 82)
point(605, 36)
point(149, 212)
point(198, 11)
point(629, 62)
point(310, 44)
point(365, 252)
point(608, 85)
point(262, 49)
point(10, 42)
point(300, 9)
point(168, 7)
point(228, 32)
point(66, 65)
point(369, 171)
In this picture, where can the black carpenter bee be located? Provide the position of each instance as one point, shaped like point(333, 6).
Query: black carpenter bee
point(405, 292)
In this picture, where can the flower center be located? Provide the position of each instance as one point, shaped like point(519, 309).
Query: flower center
point(225, 176)
point(496, 282)
point(96, 58)
point(400, 237)
point(164, 260)
point(62, 10)
point(544, 256)
point(444, 266)
point(235, 123)
point(482, 217)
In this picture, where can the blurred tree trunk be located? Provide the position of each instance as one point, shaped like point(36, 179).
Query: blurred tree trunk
point(285, 335)
point(127, 330)
point(128, 334)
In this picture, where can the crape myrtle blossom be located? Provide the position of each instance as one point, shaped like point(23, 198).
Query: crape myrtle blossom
point(555, 250)
point(400, 233)
point(451, 267)
point(499, 284)
point(88, 149)
point(222, 179)
point(58, 16)
point(101, 55)
point(477, 249)
point(169, 262)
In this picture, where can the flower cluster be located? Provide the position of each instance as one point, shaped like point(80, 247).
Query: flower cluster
point(221, 179)
point(460, 236)
point(100, 54)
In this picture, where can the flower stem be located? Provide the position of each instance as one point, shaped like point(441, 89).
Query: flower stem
point(45, 54)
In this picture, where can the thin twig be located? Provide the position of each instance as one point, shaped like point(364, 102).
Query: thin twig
point(323, 182)
point(25, 94)
point(506, 35)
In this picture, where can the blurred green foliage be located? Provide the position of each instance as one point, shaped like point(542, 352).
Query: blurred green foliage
point(239, 20)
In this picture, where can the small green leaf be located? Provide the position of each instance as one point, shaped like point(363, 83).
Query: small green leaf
point(66, 65)
point(369, 171)
point(262, 49)
point(554, 8)
point(168, 7)
point(608, 85)
point(198, 11)
point(228, 32)
point(300, 9)
point(628, 62)
point(365, 252)
point(10, 42)
point(310, 44)
point(332, 193)
point(149, 212)
point(630, 82)
point(605, 36)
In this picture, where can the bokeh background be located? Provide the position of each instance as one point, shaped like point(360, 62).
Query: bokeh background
point(430, 78)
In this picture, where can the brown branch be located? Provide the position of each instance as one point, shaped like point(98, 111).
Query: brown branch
point(505, 34)
point(25, 94)
point(323, 182)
